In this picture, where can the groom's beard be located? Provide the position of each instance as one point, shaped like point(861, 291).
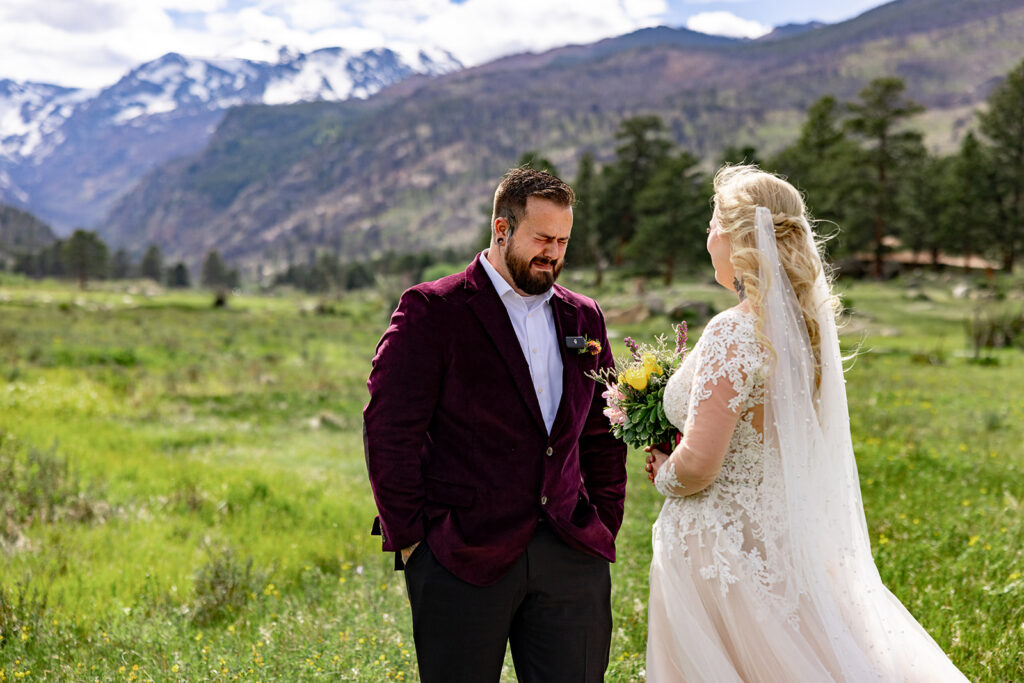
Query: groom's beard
point(527, 280)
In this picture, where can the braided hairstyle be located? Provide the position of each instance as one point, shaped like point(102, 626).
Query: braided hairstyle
point(739, 190)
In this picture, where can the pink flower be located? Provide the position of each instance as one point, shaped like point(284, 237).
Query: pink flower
point(615, 415)
point(612, 393)
point(614, 397)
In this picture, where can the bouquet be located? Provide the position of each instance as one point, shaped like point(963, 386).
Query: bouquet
point(634, 395)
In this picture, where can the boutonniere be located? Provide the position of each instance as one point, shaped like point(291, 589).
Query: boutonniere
point(583, 345)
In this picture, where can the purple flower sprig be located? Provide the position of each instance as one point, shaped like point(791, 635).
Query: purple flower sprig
point(681, 338)
point(633, 347)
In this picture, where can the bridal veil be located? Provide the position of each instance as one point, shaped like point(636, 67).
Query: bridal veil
point(861, 627)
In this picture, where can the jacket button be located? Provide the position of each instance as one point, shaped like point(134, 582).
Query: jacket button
point(543, 500)
point(549, 452)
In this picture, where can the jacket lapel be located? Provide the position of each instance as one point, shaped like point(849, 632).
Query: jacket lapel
point(487, 307)
point(567, 324)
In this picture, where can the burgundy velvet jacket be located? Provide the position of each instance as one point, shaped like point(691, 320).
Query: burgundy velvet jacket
point(456, 447)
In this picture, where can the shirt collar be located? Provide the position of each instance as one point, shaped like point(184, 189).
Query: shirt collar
point(504, 288)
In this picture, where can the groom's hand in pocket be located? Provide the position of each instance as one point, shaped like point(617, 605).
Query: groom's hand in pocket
point(407, 552)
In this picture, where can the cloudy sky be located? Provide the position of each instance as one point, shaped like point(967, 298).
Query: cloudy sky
point(92, 43)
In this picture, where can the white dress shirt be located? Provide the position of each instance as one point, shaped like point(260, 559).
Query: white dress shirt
point(534, 323)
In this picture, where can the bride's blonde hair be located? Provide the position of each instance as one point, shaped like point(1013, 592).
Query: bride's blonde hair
point(739, 190)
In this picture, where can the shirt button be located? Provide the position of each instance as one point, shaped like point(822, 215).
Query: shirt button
point(540, 390)
point(549, 452)
point(535, 349)
point(543, 500)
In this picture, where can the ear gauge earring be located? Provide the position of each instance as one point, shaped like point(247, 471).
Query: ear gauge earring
point(501, 240)
point(737, 283)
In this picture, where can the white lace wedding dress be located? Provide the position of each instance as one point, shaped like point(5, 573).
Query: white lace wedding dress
point(728, 600)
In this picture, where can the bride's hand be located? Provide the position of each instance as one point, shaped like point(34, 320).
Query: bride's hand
point(655, 459)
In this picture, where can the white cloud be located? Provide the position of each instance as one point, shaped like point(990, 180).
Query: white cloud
point(726, 24)
point(479, 30)
point(91, 43)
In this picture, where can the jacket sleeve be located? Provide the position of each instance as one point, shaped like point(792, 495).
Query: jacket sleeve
point(404, 386)
point(602, 456)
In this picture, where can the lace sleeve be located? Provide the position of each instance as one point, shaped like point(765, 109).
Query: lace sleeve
point(728, 366)
point(726, 377)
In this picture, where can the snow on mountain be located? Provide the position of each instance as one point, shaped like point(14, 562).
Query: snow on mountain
point(175, 83)
point(336, 74)
point(31, 114)
point(66, 154)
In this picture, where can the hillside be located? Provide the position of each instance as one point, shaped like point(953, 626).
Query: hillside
point(21, 231)
point(411, 167)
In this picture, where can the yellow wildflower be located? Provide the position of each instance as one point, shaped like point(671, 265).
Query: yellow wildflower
point(635, 377)
point(650, 363)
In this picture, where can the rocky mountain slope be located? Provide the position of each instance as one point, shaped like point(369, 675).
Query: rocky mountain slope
point(67, 154)
point(21, 231)
point(411, 167)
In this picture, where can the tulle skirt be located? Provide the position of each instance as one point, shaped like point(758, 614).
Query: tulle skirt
point(698, 633)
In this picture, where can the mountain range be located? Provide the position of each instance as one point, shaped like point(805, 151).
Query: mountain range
point(67, 153)
point(411, 167)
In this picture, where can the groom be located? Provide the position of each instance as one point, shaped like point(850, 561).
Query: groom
point(498, 483)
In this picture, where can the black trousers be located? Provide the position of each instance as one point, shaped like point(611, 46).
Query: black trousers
point(553, 608)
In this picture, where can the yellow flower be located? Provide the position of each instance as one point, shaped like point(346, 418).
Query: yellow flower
point(650, 364)
point(635, 377)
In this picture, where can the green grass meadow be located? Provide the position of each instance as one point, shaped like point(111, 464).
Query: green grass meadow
point(183, 495)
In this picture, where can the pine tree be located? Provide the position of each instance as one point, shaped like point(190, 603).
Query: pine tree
point(673, 210)
point(120, 265)
point(924, 200)
point(152, 265)
point(86, 256)
point(584, 247)
point(972, 213)
point(821, 163)
point(877, 119)
point(642, 150)
point(1003, 125)
point(178, 276)
point(214, 271)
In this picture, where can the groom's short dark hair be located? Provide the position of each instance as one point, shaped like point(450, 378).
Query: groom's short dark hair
point(524, 182)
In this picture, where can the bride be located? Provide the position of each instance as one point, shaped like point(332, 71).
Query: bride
point(762, 568)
